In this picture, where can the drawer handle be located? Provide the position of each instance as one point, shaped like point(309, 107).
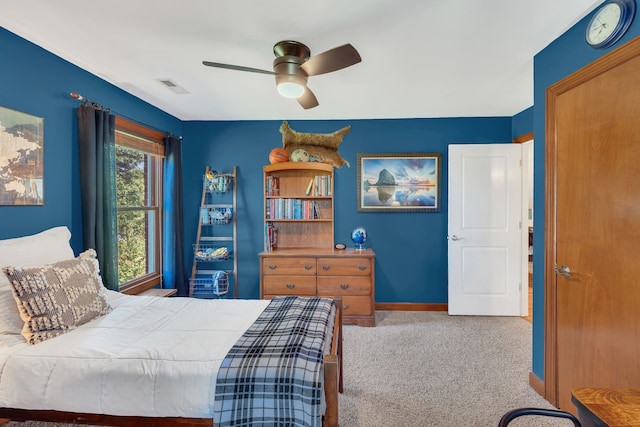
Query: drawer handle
point(290, 285)
point(326, 267)
point(272, 267)
point(344, 286)
point(345, 306)
point(362, 267)
point(308, 267)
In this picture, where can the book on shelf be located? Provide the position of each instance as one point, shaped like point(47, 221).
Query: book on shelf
point(291, 209)
point(322, 184)
point(271, 237)
point(309, 187)
point(319, 186)
point(272, 186)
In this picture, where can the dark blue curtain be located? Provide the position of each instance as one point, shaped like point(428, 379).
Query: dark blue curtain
point(173, 269)
point(97, 152)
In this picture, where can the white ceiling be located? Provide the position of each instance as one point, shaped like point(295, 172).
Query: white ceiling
point(420, 58)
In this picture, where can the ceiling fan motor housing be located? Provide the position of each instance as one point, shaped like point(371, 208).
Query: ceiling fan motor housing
point(293, 48)
point(289, 56)
point(287, 70)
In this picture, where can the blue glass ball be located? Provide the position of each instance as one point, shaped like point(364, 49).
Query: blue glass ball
point(359, 235)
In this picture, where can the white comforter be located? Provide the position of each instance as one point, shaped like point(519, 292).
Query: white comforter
point(150, 356)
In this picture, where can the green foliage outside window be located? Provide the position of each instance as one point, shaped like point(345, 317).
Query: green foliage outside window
point(132, 223)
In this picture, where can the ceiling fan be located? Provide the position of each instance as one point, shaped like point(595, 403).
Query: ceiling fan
point(294, 64)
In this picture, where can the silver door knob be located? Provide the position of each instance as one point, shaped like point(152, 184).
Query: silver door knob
point(563, 270)
point(455, 238)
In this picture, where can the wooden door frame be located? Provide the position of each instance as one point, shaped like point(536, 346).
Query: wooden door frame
point(526, 297)
point(523, 138)
point(605, 63)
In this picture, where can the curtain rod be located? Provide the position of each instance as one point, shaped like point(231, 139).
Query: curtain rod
point(94, 104)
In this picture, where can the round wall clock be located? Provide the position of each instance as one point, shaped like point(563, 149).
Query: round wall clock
point(610, 22)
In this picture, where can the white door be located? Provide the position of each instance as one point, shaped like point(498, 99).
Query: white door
point(485, 229)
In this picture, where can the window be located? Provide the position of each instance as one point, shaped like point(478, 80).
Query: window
point(139, 162)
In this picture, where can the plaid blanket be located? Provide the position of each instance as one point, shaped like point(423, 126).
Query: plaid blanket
point(273, 375)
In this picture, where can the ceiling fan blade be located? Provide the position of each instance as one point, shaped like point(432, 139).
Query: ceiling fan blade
point(332, 60)
point(308, 99)
point(237, 67)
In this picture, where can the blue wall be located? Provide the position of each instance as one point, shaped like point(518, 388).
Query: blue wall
point(38, 83)
point(564, 56)
point(522, 123)
point(411, 248)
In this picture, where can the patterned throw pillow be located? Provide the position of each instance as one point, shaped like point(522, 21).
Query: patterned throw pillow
point(51, 245)
point(57, 297)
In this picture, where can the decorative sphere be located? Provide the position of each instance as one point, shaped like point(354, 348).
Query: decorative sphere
point(278, 155)
point(299, 155)
point(359, 235)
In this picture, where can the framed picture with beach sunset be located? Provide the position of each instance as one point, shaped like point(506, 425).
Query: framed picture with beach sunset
point(399, 182)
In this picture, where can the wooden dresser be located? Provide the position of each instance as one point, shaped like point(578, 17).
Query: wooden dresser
point(348, 273)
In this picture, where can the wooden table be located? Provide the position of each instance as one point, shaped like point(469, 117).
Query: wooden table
point(607, 407)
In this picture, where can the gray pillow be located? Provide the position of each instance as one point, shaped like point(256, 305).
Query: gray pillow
point(55, 298)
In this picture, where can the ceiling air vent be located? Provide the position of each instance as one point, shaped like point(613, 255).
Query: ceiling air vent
point(173, 86)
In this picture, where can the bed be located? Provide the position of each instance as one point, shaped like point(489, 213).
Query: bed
point(148, 361)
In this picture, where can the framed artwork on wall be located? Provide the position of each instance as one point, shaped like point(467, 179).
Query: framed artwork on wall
point(21, 158)
point(399, 182)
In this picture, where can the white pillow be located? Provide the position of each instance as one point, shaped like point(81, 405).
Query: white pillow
point(49, 246)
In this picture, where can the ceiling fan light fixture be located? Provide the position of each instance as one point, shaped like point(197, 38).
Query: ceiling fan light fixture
point(290, 89)
point(292, 83)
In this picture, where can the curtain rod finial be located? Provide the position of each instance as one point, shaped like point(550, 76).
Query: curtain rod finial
point(76, 96)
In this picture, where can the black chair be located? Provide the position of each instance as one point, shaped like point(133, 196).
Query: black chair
point(511, 415)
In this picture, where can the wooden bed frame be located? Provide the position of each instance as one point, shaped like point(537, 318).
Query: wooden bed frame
point(333, 384)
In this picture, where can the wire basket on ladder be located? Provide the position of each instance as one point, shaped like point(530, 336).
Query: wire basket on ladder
point(214, 286)
point(210, 252)
point(215, 183)
point(215, 215)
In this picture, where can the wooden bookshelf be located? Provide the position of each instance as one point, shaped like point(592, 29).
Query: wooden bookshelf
point(298, 203)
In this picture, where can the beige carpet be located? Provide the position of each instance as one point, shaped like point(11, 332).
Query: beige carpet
point(430, 369)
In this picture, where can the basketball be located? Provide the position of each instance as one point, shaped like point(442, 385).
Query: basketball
point(278, 155)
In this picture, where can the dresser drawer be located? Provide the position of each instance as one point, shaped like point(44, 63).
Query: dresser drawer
point(289, 285)
point(356, 306)
point(344, 285)
point(326, 273)
point(344, 266)
point(289, 265)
